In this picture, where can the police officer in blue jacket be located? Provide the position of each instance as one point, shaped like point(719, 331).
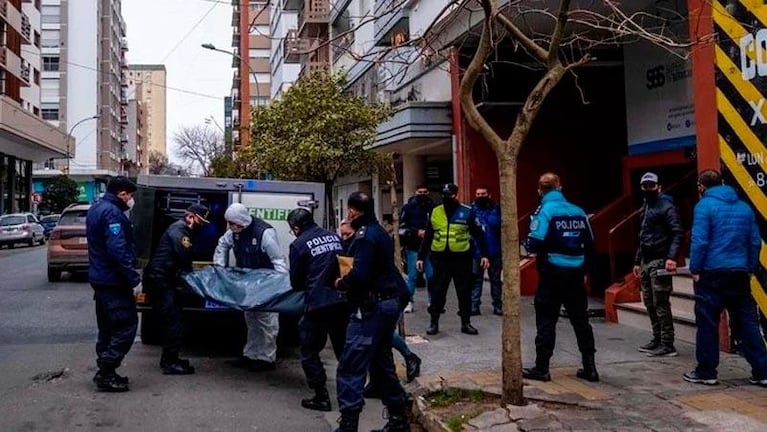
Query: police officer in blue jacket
point(314, 269)
point(112, 274)
point(560, 235)
point(377, 293)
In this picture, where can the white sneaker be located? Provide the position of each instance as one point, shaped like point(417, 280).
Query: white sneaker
point(409, 308)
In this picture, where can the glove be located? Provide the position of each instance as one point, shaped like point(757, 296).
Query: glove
point(138, 289)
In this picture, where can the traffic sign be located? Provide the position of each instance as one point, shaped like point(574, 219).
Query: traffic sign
point(37, 198)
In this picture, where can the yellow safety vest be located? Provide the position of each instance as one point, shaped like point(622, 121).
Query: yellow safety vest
point(450, 235)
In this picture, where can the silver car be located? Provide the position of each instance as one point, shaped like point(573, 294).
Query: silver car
point(20, 228)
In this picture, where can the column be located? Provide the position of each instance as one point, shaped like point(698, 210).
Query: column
point(412, 174)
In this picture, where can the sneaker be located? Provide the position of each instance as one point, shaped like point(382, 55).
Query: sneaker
point(409, 308)
point(759, 382)
point(694, 378)
point(663, 351)
point(649, 347)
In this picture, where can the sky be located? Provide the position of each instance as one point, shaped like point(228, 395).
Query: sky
point(164, 32)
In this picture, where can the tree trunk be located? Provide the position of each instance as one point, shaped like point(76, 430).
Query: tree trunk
point(511, 347)
point(330, 215)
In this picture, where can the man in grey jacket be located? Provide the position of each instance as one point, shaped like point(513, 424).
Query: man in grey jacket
point(255, 245)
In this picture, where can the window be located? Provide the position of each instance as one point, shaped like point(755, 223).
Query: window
point(50, 111)
point(51, 39)
point(51, 63)
point(37, 76)
point(37, 39)
point(258, 53)
point(262, 78)
point(49, 88)
point(36, 111)
point(31, 219)
point(51, 14)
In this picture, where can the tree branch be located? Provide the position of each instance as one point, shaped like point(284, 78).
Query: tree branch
point(517, 34)
point(559, 31)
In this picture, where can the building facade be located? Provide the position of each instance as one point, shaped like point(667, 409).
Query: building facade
point(285, 56)
point(150, 89)
point(252, 49)
point(25, 138)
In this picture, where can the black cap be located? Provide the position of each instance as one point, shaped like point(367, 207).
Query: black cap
point(200, 211)
point(300, 218)
point(361, 202)
point(120, 184)
point(450, 189)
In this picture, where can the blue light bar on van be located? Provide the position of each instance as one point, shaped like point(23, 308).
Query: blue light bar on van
point(250, 185)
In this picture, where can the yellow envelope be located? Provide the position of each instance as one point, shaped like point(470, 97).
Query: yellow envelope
point(345, 264)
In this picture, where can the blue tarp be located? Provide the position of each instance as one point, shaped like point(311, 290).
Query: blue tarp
point(246, 289)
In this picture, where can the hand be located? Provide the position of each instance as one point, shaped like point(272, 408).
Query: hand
point(138, 289)
point(419, 265)
point(636, 270)
point(670, 265)
point(421, 233)
point(484, 263)
point(695, 278)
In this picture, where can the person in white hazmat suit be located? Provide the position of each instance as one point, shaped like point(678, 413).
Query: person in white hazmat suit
point(255, 245)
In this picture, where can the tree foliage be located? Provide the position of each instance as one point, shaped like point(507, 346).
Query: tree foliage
point(316, 132)
point(60, 191)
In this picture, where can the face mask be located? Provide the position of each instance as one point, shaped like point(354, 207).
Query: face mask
point(131, 202)
point(484, 201)
point(422, 198)
point(650, 195)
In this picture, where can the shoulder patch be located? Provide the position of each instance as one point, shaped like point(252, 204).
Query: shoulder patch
point(186, 242)
point(361, 232)
point(115, 228)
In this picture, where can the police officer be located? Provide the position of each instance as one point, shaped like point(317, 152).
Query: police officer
point(112, 274)
point(255, 246)
point(378, 294)
point(560, 235)
point(447, 239)
point(314, 269)
point(173, 255)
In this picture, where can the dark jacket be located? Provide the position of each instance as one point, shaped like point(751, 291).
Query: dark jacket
point(413, 217)
point(660, 232)
point(314, 266)
point(475, 229)
point(172, 255)
point(111, 248)
point(490, 219)
point(373, 271)
point(725, 236)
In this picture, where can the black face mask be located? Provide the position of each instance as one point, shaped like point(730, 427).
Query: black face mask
point(422, 199)
point(650, 195)
point(484, 202)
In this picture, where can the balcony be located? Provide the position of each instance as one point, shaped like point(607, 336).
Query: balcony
point(236, 79)
point(236, 37)
point(26, 29)
point(314, 17)
point(24, 133)
point(26, 71)
point(236, 17)
point(11, 62)
point(294, 47)
point(11, 15)
point(392, 26)
point(313, 67)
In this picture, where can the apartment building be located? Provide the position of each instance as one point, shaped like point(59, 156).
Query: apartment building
point(25, 138)
point(252, 48)
point(138, 131)
point(285, 60)
point(149, 81)
point(30, 54)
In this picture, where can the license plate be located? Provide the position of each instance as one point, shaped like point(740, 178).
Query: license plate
point(82, 240)
point(212, 304)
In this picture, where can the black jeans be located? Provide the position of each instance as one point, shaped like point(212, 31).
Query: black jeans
point(117, 320)
point(560, 286)
point(166, 306)
point(713, 293)
point(458, 268)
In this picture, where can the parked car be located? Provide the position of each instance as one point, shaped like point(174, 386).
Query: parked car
point(20, 228)
point(68, 245)
point(49, 222)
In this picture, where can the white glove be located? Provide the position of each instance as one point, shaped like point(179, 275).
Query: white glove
point(138, 289)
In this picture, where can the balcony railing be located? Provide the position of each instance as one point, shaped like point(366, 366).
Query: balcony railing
point(25, 71)
point(26, 28)
point(314, 12)
point(313, 67)
point(294, 47)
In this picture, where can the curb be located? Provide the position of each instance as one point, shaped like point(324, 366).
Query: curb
point(427, 419)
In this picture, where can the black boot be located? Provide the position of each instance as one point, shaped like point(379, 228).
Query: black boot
point(108, 381)
point(349, 421)
point(397, 421)
point(320, 401)
point(468, 329)
point(172, 365)
point(412, 366)
point(540, 372)
point(434, 326)
point(589, 371)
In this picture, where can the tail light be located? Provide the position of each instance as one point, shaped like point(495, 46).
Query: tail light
point(25, 227)
point(55, 235)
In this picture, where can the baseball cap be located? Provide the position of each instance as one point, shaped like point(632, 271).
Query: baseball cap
point(649, 177)
point(200, 211)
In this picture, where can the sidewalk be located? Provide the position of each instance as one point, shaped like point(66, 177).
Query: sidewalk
point(635, 393)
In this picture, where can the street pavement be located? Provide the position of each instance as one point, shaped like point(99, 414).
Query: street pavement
point(636, 393)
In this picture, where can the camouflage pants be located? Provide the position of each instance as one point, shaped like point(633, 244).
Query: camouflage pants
point(656, 291)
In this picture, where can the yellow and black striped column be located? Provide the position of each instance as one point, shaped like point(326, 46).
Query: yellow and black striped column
point(741, 98)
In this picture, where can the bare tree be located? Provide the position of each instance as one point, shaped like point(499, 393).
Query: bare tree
point(199, 145)
point(158, 162)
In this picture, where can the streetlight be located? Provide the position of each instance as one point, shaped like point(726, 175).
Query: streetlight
point(211, 119)
point(210, 46)
point(72, 129)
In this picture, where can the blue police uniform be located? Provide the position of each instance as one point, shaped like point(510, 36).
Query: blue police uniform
point(377, 293)
point(314, 268)
point(112, 274)
point(560, 235)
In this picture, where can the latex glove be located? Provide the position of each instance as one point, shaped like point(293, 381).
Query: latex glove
point(138, 289)
point(419, 266)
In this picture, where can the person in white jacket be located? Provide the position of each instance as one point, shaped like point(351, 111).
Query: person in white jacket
point(255, 245)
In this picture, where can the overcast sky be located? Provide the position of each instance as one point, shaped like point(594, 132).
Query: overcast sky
point(164, 32)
